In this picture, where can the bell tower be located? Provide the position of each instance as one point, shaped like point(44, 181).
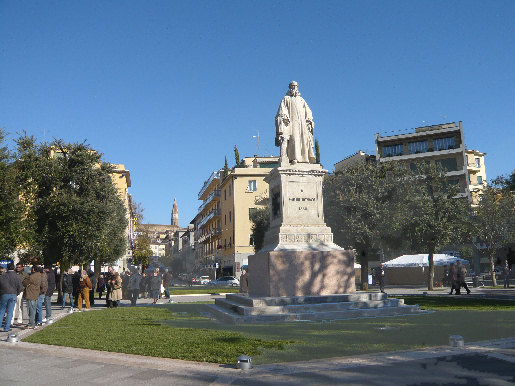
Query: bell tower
point(175, 213)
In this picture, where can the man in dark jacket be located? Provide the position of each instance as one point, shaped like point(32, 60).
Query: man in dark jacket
point(93, 280)
point(10, 287)
point(43, 285)
point(167, 281)
point(50, 276)
point(32, 285)
point(452, 280)
point(68, 287)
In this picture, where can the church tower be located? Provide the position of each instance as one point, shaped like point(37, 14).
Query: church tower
point(175, 213)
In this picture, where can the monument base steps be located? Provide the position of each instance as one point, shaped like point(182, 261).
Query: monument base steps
point(240, 308)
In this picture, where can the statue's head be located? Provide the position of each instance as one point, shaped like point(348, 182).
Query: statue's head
point(293, 89)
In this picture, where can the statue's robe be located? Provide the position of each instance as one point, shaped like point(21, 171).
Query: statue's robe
point(297, 131)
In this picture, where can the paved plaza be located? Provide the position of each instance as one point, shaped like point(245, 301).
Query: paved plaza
point(477, 363)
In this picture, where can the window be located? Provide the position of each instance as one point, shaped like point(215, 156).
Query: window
point(417, 147)
point(225, 194)
point(392, 150)
point(230, 188)
point(252, 185)
point(230, 216)
point(443, 143)
point(251, 212)
point(251, 241)
point(448, 164)
point(225, 219)
point(477, 162)
point(479, 180)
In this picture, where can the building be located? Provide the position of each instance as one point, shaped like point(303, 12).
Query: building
point(243, 190)
point(207, 223)
point(356, 159)
point(222, 226)
point(442, 144)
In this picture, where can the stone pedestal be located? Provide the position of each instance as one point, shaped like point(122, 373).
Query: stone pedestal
point(297, 209)
point(299, 257)
point(301, 273)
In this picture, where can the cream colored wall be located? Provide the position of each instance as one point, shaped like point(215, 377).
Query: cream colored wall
point(227, 205)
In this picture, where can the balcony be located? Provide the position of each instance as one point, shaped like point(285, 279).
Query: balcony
point(209, 216)
point(213, 176)
point(473, 167)
point(214, 193)
point(209, 234)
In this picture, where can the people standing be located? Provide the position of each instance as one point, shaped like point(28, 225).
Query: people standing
point(452, 279)
point(244, 281)
point(93, 280)
point(108, 279)
point(167, 281)
point(32, 285)
point(84, 288)
point(41, 299)
point(380, 277)
point(10, 287)
point(18, 308)
point(50, 276)
point(461, 273)
point(101, 286)
point(506, 271)
point(115, 293)
point(155, 285)
point(133, 286)
point(68, 287)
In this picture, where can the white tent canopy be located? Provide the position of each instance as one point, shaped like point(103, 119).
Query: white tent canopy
point(422, 260)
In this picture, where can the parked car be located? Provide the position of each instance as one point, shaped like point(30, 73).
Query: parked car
point(204, 280)
point(225, 281)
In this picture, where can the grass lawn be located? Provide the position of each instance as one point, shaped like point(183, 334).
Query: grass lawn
point(180, 331)
point(202, 290)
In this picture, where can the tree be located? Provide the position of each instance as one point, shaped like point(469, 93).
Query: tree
point(493, 222)
point(364, 205)
point(142, 252)
point(317, 152)
point(11, 209)
point(237, 156)
point(260, 218)
point(438, 215)
point(505, 182)
point(226, 167)
point(74, 214)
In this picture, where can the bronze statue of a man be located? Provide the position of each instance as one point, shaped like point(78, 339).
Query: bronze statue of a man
point(294, 128)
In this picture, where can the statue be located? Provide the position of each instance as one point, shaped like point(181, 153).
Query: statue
point(294, 128)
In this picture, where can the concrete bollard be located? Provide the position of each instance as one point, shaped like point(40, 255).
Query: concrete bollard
point(244, 362)
point(456, 341)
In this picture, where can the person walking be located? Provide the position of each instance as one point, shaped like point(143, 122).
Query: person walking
point(10, 287)
point(452, 279)
point(32, 285)
point(108, 279)
point(155, 285)
point(49, 292)
point(133, 286)
point(84, 288)
point(18, 308)
point(68, 288)
point(461, 273)
point(380, 277)
point(244, 282)
point(506, 271)
point(115, 293)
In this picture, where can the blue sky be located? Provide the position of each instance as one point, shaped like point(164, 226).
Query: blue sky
point(169, 87)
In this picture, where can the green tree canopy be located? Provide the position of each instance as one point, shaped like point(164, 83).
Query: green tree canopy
point(260, 218)
point(364, 206)
point(493, 222)
point(142, 252)
point(74, 214)
point(11, 209)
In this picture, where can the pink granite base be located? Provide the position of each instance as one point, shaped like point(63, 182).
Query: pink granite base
point(301, 273)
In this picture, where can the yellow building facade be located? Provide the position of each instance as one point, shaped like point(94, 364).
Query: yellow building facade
point(242, 191)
